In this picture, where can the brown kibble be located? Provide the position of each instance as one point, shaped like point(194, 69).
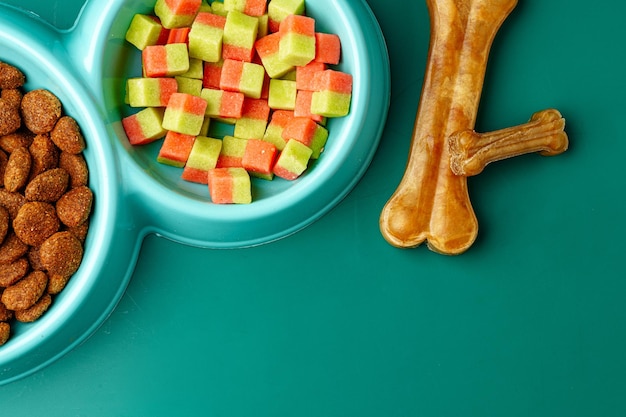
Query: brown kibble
point(17, 169)
point(5, 313)
point(13, 272)
point(5, 332)
point(56, 283)
point(67, 135)
point(74, 207)
point(48, 186)
point(4, 223)
point(44, 153)
point(80, 231)
point(25, 293)
point(10, 119)
point(4, 158)
point(13, 96)
point(61, 253)
point(12, 201)
point(35, 222)
point(34, 259)
point(12, 249)
point(10, 77)
point(40, 110)
point(18, 139)
point(35, 311)
point(76, 166)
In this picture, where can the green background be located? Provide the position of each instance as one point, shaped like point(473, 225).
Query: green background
point(333, 321)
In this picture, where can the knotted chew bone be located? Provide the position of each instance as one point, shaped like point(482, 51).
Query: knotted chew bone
point(432, 203)
point(470, 152)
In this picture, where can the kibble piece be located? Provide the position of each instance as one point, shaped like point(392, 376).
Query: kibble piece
point(5, 313)
point(67, 135)
point(48, 186)
point(40, 110)
point(12, 249)
point(10, 119)
point(34, 259)
point(76, 166)
point(4, 223)
point(15, 140)
point(12, 201)
point(5, 332)
point(13, 272)
point(35, 311)
point(61, 253)
point(74, 207)
point(17, 169)
point(35, 222)
point(13, 96)
point(25, 293)
point(4, 158)
point(80, 231)
point(56, 283)
point(10, 76)
point(44, 153)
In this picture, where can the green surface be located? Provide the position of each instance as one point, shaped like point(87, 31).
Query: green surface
point(332, 321)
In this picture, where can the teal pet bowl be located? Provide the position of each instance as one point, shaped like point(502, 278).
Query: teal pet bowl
point(87, 67)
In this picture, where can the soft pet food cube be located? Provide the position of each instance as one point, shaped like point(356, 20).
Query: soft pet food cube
point(327, 48)
point(258, 158)
point(253, 121)
point(293, 160)
point(184, 114)
point(212, 74)
point(282, 94)
point(150, 92)
point(243, 77)
point(175, 149)
point(297, 40)
point(267, 50)
point(145, 126)
point(249, 7)
point(229, 186)
point(176, 13)
point(306, 131)
point(333, 93)
point(232, 152)
point(240, 33)
point(165, 60)
point(274, 131)
point(222, 104)
point(202, 158)
point(206, 37)
point(278, 10)
point(145, 30)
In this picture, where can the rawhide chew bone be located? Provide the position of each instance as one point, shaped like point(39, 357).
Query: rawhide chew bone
point(432, 203)
point(470, 152)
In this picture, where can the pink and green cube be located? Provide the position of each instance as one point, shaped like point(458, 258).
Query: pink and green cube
point(297, 40)
point(146, 30)
point(240, 33)
point(176, 13)
point(165, 60)
point(306, 131)
point(144, 126)
point(202, 158)
point(293, 160)
point(191, 86)
point(232, 152)
point(229, 186)
point(305, 75)
point(253, 121)
point(212, 74)
point(278, 10)
point(267, 50)
point(303, 107)
point(258, 158)
point(175, 149)
point(333, 93)
point(274, 131)
point(150, 92)
point(184, 114)
point(243, 77)
point(327, 48)
point(206, 37)
point(249, 7)
point(223, 104)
